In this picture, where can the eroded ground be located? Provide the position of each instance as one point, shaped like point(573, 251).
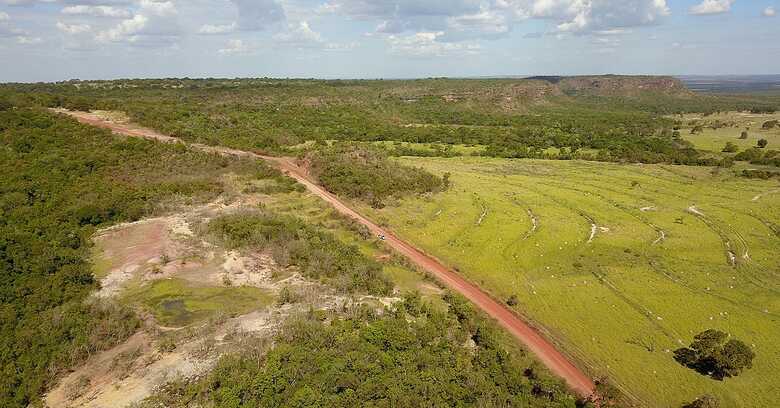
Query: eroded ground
point(199, 300)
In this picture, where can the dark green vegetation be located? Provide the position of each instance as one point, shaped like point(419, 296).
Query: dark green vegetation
point(712, 353)
point(600, 118)
point(368, 175)
point(60, 181)
point(318, 254)
point(705, 401)
point(411, 356)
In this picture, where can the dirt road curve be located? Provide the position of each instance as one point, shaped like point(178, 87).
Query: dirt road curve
point(529, 337)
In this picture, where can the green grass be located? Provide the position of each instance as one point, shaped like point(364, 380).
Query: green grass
point(175, 302)
point(713, 140)
point(622, 302)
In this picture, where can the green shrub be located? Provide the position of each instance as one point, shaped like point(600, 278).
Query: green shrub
point(368, 175)
point(318, 254)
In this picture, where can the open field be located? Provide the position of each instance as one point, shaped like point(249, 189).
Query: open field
point(622, 263)
point(713, 140)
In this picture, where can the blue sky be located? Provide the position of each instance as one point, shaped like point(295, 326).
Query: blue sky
point(49, 40)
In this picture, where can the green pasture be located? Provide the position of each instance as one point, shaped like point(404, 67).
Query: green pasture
point(175, 302)
point(714, 140)
point(626, 262)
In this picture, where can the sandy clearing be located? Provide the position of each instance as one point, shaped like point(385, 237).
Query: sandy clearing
point(530, 337)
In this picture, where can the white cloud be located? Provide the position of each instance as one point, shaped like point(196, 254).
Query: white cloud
point(426, 44)
point(6, 30)
point(73, 28)
point(158, 8)
point(234, 47)
point(709, 7)
point(217, 29)
point(126, 30)
point(26, 40)
point(96, 11)
point(469, 19)
point(299, 35)
point(154, 24)
point(769, 12)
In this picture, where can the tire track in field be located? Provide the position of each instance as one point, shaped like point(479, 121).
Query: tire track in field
point(535, 224)
point(603, 279)
point(731, 256)
point(766, 193)
point(586, 216)
point(636, 306)
point(626, 210)
point(661, 270)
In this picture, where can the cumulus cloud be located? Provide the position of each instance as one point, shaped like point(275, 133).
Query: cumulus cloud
point(96, 11)
point(709, 7)
point(769, 12)
point(427, 44)
point(217, 29)
point(470, 19)
point(6, 30)
point(153, 24)
point(73, 28)
point(300, 36)
point(234, 47)
point(126, 30)
point(27, 40)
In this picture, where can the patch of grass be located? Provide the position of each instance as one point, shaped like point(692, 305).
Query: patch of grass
point(622, 302)
point(175, 302)
point(734, 123)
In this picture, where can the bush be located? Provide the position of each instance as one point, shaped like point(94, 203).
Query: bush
point(729, 148)
point(292, 242)
point(762, 143)
point(705, 401)
point(368, 175)
point(395, 359)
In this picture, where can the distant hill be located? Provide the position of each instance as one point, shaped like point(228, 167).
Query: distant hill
point(616, 85)
point(732, 83)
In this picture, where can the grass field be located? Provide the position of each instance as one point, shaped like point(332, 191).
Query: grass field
point(175, 302)
point(714, 140)
point(621, 263)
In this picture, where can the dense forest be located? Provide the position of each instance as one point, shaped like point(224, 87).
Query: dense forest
point(61, 181)
point(410, 356)
point(595, 118)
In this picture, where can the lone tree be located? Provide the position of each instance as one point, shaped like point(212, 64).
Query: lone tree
point(744, 135)
point(762, 143)
point(712, 353)
point(729, 148)
point(705, 401)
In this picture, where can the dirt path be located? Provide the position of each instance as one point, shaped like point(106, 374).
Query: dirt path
point(544, 350)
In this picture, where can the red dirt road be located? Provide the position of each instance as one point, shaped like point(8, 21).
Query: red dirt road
point(544, 350)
